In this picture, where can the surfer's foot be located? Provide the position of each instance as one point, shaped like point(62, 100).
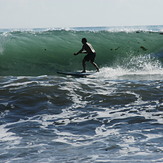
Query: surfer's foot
point(83, 71)
point(97, 70)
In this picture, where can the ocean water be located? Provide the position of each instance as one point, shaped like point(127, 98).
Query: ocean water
point(115, 115)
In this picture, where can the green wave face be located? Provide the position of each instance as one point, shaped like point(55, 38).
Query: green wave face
point(45, 52)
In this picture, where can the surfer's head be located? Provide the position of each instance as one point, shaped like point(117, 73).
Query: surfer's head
point(84, 40)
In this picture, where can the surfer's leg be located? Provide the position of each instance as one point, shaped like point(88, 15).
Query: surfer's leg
point(95, 65)
point(92, 58)
point(84, 65)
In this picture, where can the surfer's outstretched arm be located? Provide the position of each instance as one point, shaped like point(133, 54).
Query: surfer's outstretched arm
point(80, 51)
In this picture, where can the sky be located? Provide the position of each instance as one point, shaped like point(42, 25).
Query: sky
point(79, 13)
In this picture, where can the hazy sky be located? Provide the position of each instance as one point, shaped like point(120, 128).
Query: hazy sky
point(79, 13)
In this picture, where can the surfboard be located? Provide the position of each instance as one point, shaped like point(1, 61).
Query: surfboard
point(76, 74)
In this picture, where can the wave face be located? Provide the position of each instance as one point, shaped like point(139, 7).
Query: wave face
point(40, 52)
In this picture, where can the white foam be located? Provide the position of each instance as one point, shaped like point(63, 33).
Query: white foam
point(6, 135)
point(150, 71)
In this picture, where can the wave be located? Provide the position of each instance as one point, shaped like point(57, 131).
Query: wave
point(40, 52)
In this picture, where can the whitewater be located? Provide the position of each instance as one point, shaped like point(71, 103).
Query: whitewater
point(114, 115)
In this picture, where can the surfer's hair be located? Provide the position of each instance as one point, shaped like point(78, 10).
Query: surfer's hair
point(84, 40)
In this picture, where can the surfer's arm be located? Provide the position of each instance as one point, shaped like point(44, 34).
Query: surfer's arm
point(80, 51)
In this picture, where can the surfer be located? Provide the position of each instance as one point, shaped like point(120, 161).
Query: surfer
point(91, 54)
